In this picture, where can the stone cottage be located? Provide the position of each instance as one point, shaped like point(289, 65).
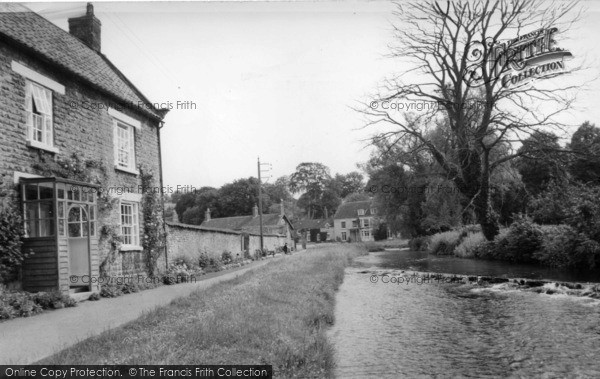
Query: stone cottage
point(75, 138)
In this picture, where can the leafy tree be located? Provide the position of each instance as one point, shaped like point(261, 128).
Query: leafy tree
point(184, 201)
point(540, 161)
point(239, 197)
point(344, 185)
point(585, 143)
point(312, 178)
point(452, 47)
point(442, 206)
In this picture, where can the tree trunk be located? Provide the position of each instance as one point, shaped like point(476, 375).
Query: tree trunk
point(485, 214)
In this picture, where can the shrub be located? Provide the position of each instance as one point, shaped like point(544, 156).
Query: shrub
point(214, 265)
point(419, 243)
point(184, 261)
point(520, 243)
point(94, 297)
point(130, 287)
point(469, 245)
point(444, 243)
point(110, 290)
point(203, 260)
point(226, 257)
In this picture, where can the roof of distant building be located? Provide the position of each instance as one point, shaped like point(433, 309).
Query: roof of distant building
point(350, 209)
point(245, 222)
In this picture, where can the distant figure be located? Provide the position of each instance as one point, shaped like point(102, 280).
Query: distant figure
point(285, 248)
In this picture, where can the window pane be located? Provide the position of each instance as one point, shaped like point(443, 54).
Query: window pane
point(92, 229)
point(46, 228)
point(31, 211)
point(46, 210)
point(46, 191)
point(74, 229)
point(84, 229)
point(61, 209)
point(76, 194)
point(31, 192)
point(60, 190)
point(61, 227)
point(31, 228)
point(92, 212)
point(83, 214)
point(74, 214)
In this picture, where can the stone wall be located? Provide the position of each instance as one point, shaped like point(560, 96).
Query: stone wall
point(191, 240)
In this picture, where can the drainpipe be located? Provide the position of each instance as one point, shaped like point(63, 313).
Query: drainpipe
point(162, 197)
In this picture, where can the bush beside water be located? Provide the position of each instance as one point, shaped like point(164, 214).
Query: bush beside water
point(561, 246)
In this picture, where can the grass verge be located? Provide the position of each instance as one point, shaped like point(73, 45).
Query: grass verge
point(274, 315)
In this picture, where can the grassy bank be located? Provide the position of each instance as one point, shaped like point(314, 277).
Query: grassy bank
point(273, 315)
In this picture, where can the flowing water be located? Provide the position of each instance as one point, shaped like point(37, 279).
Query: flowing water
point(460, 330)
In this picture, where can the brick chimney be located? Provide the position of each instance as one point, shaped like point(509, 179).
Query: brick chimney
point(87, 28)
point(255, 211)
point(281, 208)
point(207, 215)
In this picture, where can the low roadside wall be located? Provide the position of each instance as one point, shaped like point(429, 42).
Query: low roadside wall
point(191, 240)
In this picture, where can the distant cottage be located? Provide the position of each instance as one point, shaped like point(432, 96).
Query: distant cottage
point(356, 221)
point(62, 100)
point(315, 230)
point(273, 223)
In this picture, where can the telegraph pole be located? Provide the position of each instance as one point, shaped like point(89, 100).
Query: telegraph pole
point(260, 208)
point(260, 211)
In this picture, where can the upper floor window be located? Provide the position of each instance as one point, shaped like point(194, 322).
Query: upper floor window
point(366, 223)
point(38, 103)
point(373, 211)
point(40, 91)
point(361, 212)
point(344, 224)
point(124, 146)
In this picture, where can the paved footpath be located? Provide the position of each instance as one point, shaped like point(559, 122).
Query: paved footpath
point(27, 340)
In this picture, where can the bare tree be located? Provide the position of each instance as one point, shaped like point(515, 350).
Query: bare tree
point(475, 61)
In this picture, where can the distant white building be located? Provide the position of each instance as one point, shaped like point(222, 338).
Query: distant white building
point(356, 221)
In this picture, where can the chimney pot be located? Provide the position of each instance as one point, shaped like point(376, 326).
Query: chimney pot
point(281, 208)
point(207, 215)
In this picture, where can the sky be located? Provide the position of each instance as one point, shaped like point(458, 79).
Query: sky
point(275, 80)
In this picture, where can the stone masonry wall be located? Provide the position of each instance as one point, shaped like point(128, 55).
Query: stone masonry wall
point(82, 125)
point(191, 240)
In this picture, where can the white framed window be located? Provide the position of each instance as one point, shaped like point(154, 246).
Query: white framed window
point(366, 223)
point(38, 104)
point(373, 211)
point(343, 236)
point(361, 212)
point(124, 146)
point(343, 224)
point(366, 233)
point(130, 225)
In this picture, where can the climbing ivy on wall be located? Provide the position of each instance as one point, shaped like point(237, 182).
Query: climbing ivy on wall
point(11, 237)
point(153, 240)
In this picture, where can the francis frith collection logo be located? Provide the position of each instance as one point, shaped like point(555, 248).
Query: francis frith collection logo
point(517, 61)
